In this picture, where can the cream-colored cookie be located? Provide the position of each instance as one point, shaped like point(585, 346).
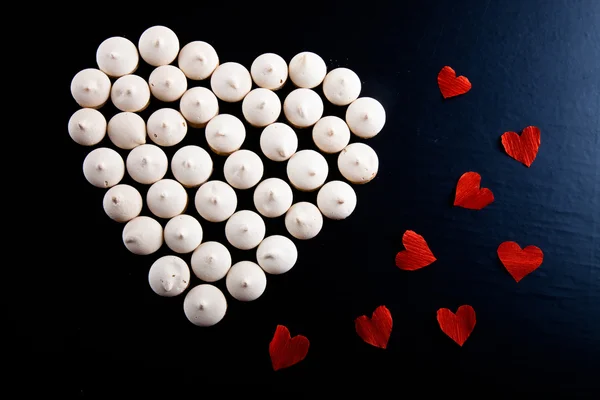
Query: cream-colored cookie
point(331, 134)
point(307, 170)
point(215, 201)
point(205, 305)
point(278, 142)
point(341, 86)
point(169, 276)
point(243, 169)
point(158, 45)
point(246, 281)
point(261, 107)
point(231, 82)
point(117, 56)
point(122, 203)
point(167, 83)
point(166, 198)
point(191, 166)
point(183, 234)
point(130, 93)
point(87, 126)
point(225, 134)
point(103, 167)
point(147, 164)
point(143, 235)
point(273, 197)
point(336, 200)
point(269, 71)
point(90, 88)
point(198, 60)
point(303, 107)
point(304, 220)
point(127, 130)
point(358, 163)
point(166, 127)
point(365, 117)
point(307, 70)
point(245, 230)
point(276, 254)
point(198, 105)
point(211, 261)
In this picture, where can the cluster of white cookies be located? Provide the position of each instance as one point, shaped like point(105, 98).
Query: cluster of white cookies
point(192, 166)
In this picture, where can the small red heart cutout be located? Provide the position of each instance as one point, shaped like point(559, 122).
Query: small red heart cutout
point(286, 351)
point(523, 148)
point(457, 326)
point(520, 262)
point(470, 195)
point(377, 330)
point(416, 254)
point(450, 85)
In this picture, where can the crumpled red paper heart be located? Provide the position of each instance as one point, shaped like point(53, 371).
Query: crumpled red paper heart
point(377, 330)
point(470, 195)
point(416, 254)
point(520, 262)
point(286, 351)
point(523, 148)
point(450, 85)
point(457, 326)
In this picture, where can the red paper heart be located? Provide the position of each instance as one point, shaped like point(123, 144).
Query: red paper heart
point(286, 351)
point(377, 330)
point(523, 148)
point(520, 262)
point(417, 254)
point(468, 192)
point(457, 326)
point(451, 85)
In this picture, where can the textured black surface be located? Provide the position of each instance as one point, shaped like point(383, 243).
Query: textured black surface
point(530, 62)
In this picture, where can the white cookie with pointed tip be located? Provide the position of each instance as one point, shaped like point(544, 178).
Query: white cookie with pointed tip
point(198, 60)
point(198, 105)
point(243, 169)
point(158, 45)
point(225, 134)
point(269, 71)
point(331, 134)
point(90, 88)
point(276, 254)
point(341, 86)
point(245, 230)
point(336, 200)
point(130, 93)
point(167, 83)
point(87, 126)
point(358, 163)
point(278, 142)
point(205, 305)
point(169, 276)
point(147, 164)
point(303, 108)
point(246, 281)
point(166, 127)
point(307, 170)
point(122, 203)
point(215, 201)
point(261, 107)
point(103, 167)
point(127, 130)
point(365, 117)
point(191, 166)
point(304, 220)
point(117, 56)
point(211, 261)
point(231, 82)
point(143, 235)
point(183, 234)
point(307, 70)
point(166, 198)
point(273, 197)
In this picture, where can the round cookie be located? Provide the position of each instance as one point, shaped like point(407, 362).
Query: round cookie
point(269, 71)
point(303, 108)
point(243, 169)
point(205, 305)
point(167, 83)
point(130, 93)
point(336, 200)
point(183, 234)
point(158, 45)
point(143, 235)
point(198, 105)
point(331, 134)
point(103, 167)
point(169, 276)
point(211, 261)
point(147, 164)
point(303, 220)
point(276, 254)
point(90, 88)
point(246, 281)
point(231, 82)
point(273, 197)
point(365, 117)
point(245, 230)
point(198, 60)
point(166, 127)
point(261, 107)
point(215, 201)
point(225, 134)
point(166, 198)
point(341, 86)
point(358, 163)
point(87, 127)
point(117, 56)
point(307, 70)
point(122, 203)
point(127, 130)
point(191, 166)
point(307, 170)
point(278, 142)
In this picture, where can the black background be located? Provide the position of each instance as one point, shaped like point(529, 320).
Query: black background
point(98, 326)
